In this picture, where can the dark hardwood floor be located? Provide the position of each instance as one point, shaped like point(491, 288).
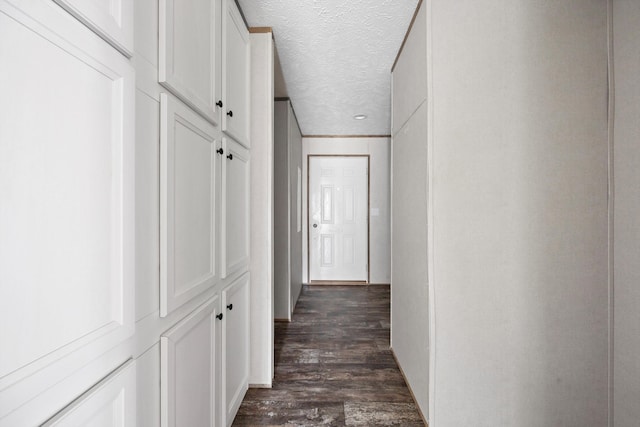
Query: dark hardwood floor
point(333, 365)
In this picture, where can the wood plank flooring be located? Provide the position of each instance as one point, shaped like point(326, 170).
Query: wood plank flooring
point(333, 365)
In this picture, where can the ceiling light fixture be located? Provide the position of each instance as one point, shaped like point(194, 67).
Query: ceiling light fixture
point(360, 117)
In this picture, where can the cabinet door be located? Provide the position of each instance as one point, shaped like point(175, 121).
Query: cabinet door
point(189, 363)
point(67, 200)
point(235, 345)
point(112, 20)
point(235, 208)
point(112, 402)
point(189, 171)
point(189, 53)
point(235, 121)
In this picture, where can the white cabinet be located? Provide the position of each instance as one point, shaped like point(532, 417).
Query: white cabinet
point(189, 199)
point(111, 402)
point(112, 20)
point(195, 168)
point(189, 53)
point(235, 208)
point(205, 361)
point(204, 59)
point(190, 369)
point(236, 75)
point(67, 195)
point(235, 345)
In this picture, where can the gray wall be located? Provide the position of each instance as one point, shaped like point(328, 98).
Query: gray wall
point(282, 280)
point(626, 25)
point(295, 245)
point(288, 240)
point(519, 274)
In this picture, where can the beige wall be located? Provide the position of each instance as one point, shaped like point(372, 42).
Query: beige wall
point(379, 236)
point(626, 27)
point(519, 263)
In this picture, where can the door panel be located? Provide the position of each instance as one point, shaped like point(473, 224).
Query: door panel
point(111, 19)
point(190, 178)
point(235, 339)
point(111, 403)
point(189, 53)
point(235, 202)
point(338, 218)
point(235, 120)
point(66, 215)
point(189, 370)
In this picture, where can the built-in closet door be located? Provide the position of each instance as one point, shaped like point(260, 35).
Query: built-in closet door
point(190, 53)
point(235, 121)
point(111, 402)
point(66, 208)
point(190, 371)
point(235, 345)
point(112, 20)
point(235, 205)
point(189, 189)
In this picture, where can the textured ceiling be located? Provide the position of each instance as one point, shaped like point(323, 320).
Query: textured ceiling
point(336, 58)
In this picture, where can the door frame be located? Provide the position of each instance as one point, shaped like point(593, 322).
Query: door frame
point(341, 282)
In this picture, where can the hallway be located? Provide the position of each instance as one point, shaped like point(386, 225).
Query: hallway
point(333, 365)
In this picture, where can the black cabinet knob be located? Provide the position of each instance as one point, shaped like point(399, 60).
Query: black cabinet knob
point(219, 316)
point(230, 157)
point(230, 113)
point(220, 151)
point(219, 103)
point(230, 307)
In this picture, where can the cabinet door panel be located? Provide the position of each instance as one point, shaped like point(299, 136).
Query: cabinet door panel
point(66, 168)
point(235, 121)
point(189, 370)
point(111, 19)
point(189, 53)
point(110, 403)
point(235, 205)
point(235, 345)
point(188, 200)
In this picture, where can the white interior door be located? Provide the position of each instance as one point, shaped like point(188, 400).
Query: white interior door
point(338, 218)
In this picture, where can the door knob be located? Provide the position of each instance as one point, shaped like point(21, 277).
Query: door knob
point(220, 151)
point(230, 307)
point(219, 316)
point(230, 113)
point(315, 225)
point(219, 103)
point(230, 157)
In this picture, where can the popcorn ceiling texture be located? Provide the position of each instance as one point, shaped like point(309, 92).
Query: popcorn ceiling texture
point(336, 58)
